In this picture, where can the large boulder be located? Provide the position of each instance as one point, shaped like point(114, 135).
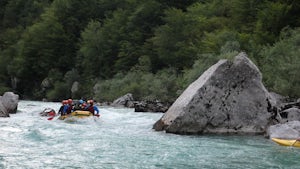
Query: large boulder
point(8, 104)
point(229, 97)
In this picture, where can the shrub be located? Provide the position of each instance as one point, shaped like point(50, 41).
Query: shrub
point(281, 62)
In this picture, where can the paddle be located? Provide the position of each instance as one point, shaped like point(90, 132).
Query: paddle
point(50, 118)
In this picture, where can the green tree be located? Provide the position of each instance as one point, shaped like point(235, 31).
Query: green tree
point(281, 64)
point(117, 43)
point(271, 19)
point(177, 42)
point(44, 46)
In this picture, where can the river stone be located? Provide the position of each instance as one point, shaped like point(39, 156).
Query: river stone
point(3, 112)
point(229, 97)
point(290, 114)
point(8, 104)
point(123, 100)
point(289, 130)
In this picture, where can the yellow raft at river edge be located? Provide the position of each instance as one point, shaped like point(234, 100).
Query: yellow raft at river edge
point(77, 114)
point(286, 142)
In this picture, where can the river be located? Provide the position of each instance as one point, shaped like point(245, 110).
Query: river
point(124, 139)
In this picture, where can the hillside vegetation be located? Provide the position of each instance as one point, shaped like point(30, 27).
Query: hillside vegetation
point(102, 49)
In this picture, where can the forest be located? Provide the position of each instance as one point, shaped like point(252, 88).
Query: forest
point(102, 49)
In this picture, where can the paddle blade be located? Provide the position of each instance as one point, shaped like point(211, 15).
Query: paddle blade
point(50, 118)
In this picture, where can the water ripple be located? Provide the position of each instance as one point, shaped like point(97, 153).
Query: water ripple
point(121, 139)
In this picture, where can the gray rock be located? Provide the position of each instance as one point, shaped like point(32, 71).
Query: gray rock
point(140, 106)
point(229, 97)
point(75, 87)
point(123, 100)
point(289, 130)
point(8, 104)
point(149, 106)
point(290, 114)
point(277, 99)
point(3, 111)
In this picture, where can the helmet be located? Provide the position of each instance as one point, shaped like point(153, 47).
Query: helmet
point(80, 101)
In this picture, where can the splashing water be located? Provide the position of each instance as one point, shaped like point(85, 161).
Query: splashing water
point(122, 138)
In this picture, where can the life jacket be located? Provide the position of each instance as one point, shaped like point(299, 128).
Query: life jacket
point(69, 110)
point(91, 109)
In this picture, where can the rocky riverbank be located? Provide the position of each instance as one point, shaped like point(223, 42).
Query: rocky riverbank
point(140, 106)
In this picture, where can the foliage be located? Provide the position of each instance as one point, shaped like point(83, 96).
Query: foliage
point(151, 48)
point(281, 64)
point(60, 92)
point(144, 86)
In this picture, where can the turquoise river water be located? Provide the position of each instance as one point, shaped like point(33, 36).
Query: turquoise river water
point(124, 139)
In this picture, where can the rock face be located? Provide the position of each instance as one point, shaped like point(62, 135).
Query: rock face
point(8, 104)
point(229, 97)
point(290, 114)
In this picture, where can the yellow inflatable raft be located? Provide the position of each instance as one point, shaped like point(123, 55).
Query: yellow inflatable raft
point(77, 114)
point(286, 142)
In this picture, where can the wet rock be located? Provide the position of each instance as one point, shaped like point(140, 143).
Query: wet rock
point(290, 114)
point(229, 97)
point(8, 104)
point(150, 106)
point(123, 100)
point(140, 106)
point(289, 130)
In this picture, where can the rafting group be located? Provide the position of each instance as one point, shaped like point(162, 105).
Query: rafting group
point(68, 106)
point(73, 109)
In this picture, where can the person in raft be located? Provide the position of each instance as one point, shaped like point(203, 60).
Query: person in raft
point(83, 106)
point(68, 108)
point(92, 108)
point(64, 103)
point(79, 105)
